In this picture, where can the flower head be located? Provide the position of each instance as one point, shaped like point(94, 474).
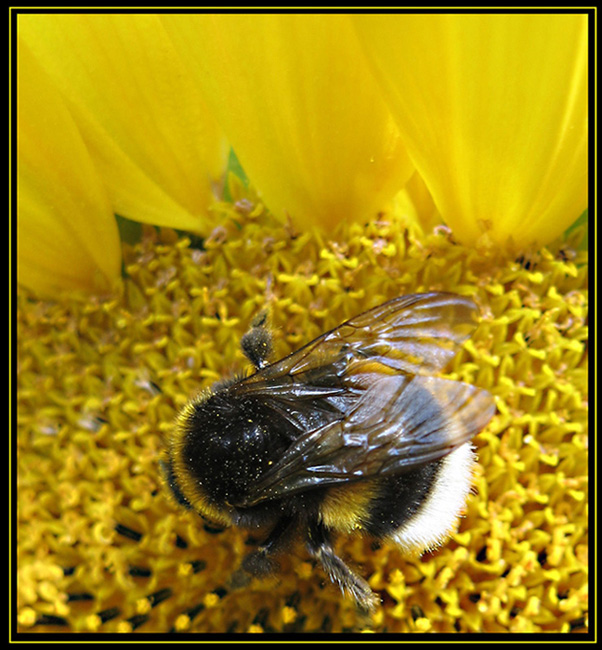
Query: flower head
point(102, 545)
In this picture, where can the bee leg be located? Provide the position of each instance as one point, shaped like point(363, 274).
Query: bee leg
point(257, 342)
point(320, 547)
point(261, 562)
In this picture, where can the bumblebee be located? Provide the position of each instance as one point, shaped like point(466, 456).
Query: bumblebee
point(353, 433)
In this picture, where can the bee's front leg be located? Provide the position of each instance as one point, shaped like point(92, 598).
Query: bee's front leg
point(320, 547)
point(261, 562)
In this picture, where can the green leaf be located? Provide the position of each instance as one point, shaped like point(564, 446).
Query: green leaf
point(583, 223)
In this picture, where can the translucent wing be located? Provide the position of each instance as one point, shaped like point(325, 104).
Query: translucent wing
point(400, 422)
point(417, 334)
point(362, 400)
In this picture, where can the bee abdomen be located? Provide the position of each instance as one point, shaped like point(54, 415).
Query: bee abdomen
point(417, 510)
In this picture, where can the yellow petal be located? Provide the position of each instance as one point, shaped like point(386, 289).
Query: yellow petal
point(493, 110)
point(156, 145)
point(67, 236)
point(414, 204)
point(301, 109)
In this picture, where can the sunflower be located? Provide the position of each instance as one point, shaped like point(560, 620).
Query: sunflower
point(382, 155)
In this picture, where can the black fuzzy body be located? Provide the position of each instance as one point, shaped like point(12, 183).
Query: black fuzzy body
point(231, 442)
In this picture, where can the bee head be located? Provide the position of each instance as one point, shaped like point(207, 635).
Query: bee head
point(221, 445)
